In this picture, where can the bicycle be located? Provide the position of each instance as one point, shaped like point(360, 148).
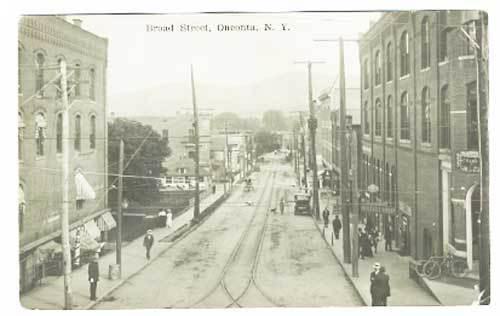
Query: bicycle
point(434, 267)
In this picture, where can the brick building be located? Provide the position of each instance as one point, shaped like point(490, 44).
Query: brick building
point(43, 42)
point(420, 129)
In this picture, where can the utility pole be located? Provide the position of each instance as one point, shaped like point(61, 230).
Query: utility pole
point(303, 144)
point(353, 156)
point(313, 124)
point(197, 152)
point(344, 177)
point(334, 149)
point(228, 158)
point(119, 214)
point(68, 295)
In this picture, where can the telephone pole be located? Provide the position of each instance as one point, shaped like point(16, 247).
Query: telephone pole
point(303, 145)
point(119, 214)
point(344, 177)
point(68, 295)
point(228, 158)
point(197, 152)
point(313, 124)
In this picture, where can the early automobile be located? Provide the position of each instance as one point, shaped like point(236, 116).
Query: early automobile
point(302, 203)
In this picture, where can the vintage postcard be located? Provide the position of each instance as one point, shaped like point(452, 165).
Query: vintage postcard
point(240, 160)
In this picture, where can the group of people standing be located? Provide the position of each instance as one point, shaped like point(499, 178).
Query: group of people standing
point(336, 223)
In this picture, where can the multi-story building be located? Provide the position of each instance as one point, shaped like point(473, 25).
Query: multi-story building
point(420, 129)
point(44, 41)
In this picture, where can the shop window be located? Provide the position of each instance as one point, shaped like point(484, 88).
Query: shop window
point(404, 118)
point(425, 44)
point(404, 54)
point(472, 119)
point(426, 116)
point(40, 134)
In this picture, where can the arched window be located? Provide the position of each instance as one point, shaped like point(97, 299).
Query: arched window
point(388, 62)
point(39, 80)
point(59, 130)
point(404, 54)
point(92, 84)
point(366, 75)
point(20, 135)
point(443, 46)
point(40, 135)
point(404, 118)
point(389, 117)
point(77, 76)
point(425, 46)
point(78, 132)
point(378, 118)
point(426, 116)
point(444, 119)
point(92, 136)
point(378, 68)
point(366, 118)
point(59, 81)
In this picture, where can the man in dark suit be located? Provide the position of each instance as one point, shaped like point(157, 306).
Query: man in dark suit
point(386, 288)
point(148, 242)
point(337, 225)
point(376, 286)
point(93, 277)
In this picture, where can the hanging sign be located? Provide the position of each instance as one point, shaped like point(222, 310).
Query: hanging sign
point(468, 161)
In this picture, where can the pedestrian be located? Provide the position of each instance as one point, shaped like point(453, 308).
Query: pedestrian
point(214, 188)
point(384, 279)
point(170, 222)
point(365, 243)
point(375, 239)
point(148, 243)
point(377, 289)
point(93, 277)
point(388, 238)
point(326, 216)
point(337, 226)
point(162, 218)
point(282, 206)
point(361, 243)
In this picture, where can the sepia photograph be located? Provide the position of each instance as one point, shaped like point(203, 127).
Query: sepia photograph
point(246, 160)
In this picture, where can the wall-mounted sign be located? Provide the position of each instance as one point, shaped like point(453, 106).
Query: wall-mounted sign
point(468, 161)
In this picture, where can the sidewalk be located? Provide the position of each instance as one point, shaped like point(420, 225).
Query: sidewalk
point(404, 291)
point(50, 294)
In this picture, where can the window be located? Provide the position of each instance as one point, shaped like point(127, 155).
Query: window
point(378, 118)
point(404, 54)
point(366, 118)
point(378, 69)
point(40, 127)
point(92, 84)
point(365, 74)
point(40, 60)
point(389, 117)
point(92, 136)
point(78, 132)
point(470, 29)
point(405, 118)
point(472, 122)
point(425, 45)
point(20, 135)
point(59, 84)
point(21, 208)
point(426, 116)
point(443, 47)
point(388, 56)
point(59, 131)
point(77, 76)
point(444, 121)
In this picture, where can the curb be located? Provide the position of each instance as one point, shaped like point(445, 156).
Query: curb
point(346, 274)
point(192, 227)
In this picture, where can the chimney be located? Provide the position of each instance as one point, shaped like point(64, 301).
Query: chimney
point(77, 22)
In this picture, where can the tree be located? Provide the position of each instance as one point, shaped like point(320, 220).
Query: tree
point(274, 120)
point(146, 162)
point(266, 141)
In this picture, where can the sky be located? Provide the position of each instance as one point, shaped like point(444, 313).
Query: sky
point(148, 72)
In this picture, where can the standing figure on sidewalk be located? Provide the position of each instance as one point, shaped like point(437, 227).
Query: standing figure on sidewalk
point(326, 216)
point(376, 285)
point(282, 205)
point(162, 218)
point(337, 225)
point(384, 279)
point(375, 239)
point(148, 242)
point(388, 238)
point(170, 222)
point(93, 277)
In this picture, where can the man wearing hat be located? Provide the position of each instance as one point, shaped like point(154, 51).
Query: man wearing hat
point(377, 286)
point(93, 276)
point(148, 242)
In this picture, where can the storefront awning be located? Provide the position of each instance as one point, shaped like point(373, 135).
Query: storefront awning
point(106, 222)
point(380, 208)
point(92, 230)
point(84, 190)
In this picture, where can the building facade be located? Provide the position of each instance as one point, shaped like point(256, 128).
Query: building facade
point(44, 41)
point(420, 128)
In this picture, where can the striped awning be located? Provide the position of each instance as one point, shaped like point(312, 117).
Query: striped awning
point(92, 230)
point(106, 222)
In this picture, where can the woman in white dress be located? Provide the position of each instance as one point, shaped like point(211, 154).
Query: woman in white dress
point(169, 219)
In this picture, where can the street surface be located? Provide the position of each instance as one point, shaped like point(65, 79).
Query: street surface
point(244, 256)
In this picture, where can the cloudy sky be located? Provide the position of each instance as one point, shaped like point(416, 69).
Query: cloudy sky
point(246, 72)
